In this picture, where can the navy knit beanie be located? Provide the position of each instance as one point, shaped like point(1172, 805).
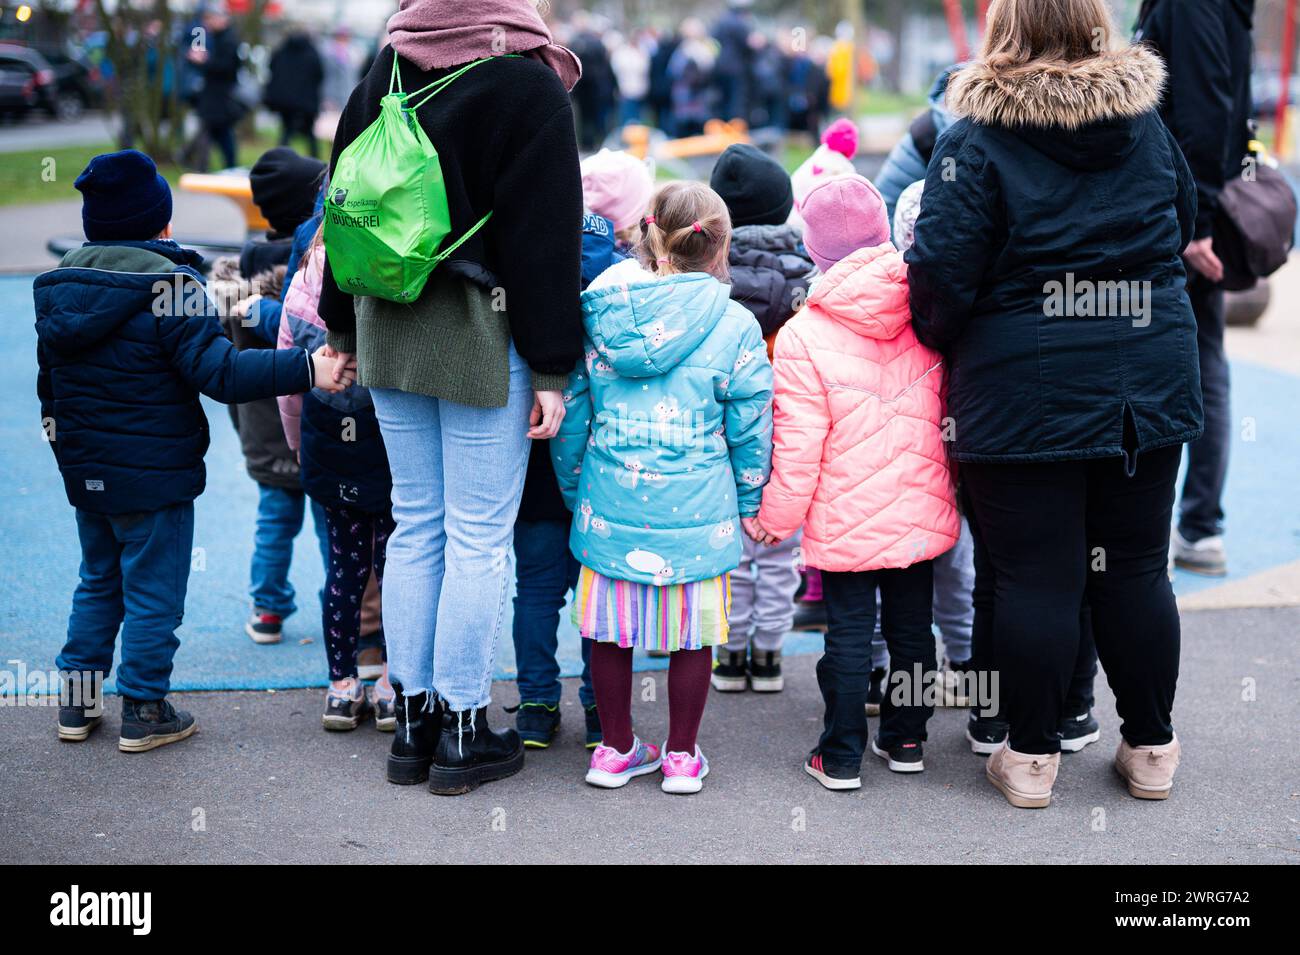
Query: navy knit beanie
point(754, 186)
point(123, 197)
point(285, 186)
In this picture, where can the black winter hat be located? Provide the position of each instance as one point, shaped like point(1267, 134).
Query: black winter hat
point(754, 186)
point(285, 186)
point(123, 197)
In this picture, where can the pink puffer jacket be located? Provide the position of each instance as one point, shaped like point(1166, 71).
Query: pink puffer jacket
point(858, 457)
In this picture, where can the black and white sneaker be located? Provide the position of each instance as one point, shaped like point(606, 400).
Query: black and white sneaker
point(829, 776)
point(345, 710)
point(730, 673)
point(81, 708)
point(986, 735)
point(1078, 731)
point(148, 724)
point(765, 672)
point(876, 691)
point(902, 757)
point(264, 627)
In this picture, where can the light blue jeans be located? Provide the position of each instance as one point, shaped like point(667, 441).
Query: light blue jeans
point(458, 473)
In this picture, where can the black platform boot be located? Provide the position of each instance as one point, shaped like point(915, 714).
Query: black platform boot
point(414, 737)
point(469, 753)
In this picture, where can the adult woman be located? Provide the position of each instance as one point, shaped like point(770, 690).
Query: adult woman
point(1046, 267)
point(455, 382)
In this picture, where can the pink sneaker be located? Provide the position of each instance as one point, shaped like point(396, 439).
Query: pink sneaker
point(611, 769)
point(684, 773)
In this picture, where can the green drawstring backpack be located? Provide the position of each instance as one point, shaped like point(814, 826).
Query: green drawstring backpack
point(386, 212)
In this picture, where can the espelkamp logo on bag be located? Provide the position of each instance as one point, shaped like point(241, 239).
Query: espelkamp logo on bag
point(77, 908)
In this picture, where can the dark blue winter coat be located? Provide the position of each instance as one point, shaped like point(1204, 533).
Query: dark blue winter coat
point(126, 341)
point(1047, 264)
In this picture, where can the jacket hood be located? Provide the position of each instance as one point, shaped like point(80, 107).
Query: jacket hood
point(106, 283)
point(766, 238)
point(643, 325)
point(1120, 84)
point(867, 291)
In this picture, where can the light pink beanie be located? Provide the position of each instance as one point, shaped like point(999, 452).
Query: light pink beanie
point(617, 186)
point(840, 216)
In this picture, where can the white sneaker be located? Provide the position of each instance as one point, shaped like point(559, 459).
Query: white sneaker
point(1206, 556)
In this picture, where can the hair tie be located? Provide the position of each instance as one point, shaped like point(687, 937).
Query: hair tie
point(663, 261)
point(696, 226)
point(648, 220)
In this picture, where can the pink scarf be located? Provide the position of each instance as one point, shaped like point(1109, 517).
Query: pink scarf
point(435, 34)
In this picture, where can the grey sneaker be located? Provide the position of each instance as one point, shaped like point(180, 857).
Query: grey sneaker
point(1205, 556)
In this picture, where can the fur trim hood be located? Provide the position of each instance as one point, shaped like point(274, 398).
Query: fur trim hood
point(1117, 84)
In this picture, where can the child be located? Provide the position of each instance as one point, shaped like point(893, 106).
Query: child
point(345, 470)
point(126, 341)
point(859, 463)
point(544, 569)
point(770, 272)
point(618, 186)
point(285, 186)
point(662, 452)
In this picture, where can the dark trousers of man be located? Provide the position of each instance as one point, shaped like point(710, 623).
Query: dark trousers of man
point(1201, 508)
point(1061, 533)
point(844, 671)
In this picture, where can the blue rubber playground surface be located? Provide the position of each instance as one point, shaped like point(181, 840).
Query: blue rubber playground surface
point(39, 554)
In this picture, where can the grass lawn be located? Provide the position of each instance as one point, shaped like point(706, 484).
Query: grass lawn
point(23, 177)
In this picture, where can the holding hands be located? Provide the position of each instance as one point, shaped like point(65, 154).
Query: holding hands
point(756, 533)
point(334, 371)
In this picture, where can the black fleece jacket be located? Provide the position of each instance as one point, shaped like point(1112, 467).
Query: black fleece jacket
point(505, 138)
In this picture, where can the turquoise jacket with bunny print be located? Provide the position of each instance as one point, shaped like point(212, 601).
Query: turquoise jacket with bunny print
point(667, 438)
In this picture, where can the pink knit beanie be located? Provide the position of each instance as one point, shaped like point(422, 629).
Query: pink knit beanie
point(842, 215)
point(617, 185)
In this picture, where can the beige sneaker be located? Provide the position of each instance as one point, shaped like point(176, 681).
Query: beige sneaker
point(1148, 770)
point(1025, 780)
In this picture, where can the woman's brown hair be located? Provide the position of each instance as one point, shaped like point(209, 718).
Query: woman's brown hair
point(1064, 31)
point(687, 230)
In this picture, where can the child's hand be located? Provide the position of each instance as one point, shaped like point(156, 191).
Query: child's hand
point(330, 375)
point(756, 533)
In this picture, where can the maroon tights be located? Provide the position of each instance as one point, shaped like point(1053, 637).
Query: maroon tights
point(688, 690)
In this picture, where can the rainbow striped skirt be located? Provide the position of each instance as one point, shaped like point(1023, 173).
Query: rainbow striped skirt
point(675, 617)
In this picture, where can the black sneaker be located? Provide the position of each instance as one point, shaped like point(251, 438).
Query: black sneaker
point(469, 753)
point(594, 734)
point(536, 723)
point(730, 674)
point(904, 757)
point(765, 672)
point(414, 737)
point(809, 615)
point(832, 777)
point(148, 724)
point(81, 708)
point(343, 711)
point(264, 627)
point(958, 682)
point(985, 734)
point(1076, 732)
point(876, 691)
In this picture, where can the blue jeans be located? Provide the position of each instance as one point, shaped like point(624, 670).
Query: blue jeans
point(1201, 509)
point(544, 572)
point(134, 571)
point(458, 473)
point(279, 519)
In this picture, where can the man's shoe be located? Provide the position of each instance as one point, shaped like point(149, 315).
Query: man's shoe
point(1148, 770)
point(765, 672)
point(414, 737)
point(1024, 779)
point(1205, 556)
point(536, 723)
point(148, 724)
point(904, 757)
point(985, 735)
point(730, 671)
point(346, 708)
point(594, 734)
point(468, 753)
point(876, 690)
point(829, 776)
point(1076, 732)
point(264, 627)
point(81, 708)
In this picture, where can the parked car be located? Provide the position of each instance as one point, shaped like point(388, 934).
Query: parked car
point(28, 83)
point(77, 85)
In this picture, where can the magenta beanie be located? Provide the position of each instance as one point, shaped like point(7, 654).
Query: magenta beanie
point(617, 185)
point(842, 215)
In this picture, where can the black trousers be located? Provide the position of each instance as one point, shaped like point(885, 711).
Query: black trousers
point(1058, 534)
point(844, 671)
